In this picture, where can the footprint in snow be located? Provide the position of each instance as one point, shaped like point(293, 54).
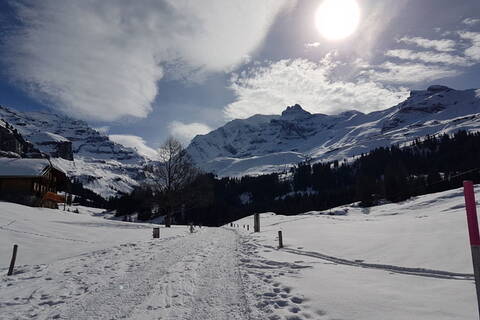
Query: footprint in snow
point(281, 303)
point(321, 312)
point(294, 309)
point(297, 300)
point(269, 294)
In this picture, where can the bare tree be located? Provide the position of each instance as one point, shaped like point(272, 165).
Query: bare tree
point(172, 173)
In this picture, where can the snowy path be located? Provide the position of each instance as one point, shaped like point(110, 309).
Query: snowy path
point(193, 276)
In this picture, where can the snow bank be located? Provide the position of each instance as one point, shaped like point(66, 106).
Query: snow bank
point(47, 235)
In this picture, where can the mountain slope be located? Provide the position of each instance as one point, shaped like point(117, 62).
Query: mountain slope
point(270, 143)
point(85, 154)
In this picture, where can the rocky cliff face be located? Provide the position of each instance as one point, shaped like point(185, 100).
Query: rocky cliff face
point(13, 145)
point(53, 144)
point(266, 143)
point(85, 154)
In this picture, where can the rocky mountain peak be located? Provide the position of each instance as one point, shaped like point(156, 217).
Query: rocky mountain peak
point(295, 112)
point(438, 88)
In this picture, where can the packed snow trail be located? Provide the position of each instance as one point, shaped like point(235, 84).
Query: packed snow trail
point(192, 276)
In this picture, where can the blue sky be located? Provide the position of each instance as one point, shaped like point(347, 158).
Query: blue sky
point(143, 70)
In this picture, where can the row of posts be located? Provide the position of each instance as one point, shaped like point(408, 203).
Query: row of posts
point(256, 228)
point(156, 231)
point(474, 235)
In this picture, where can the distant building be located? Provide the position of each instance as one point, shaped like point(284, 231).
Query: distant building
point(33, 182)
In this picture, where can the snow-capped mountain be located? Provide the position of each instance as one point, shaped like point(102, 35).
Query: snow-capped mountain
point(267, 143)
point(81, 151)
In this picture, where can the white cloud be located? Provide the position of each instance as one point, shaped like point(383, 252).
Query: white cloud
point(439, 45)
point(136, 143)
point(185, 132)
point(312, 45)
point(474, 50)
point(102, 59)
point(404, 73)
point(471, 21)
point(429, 57)
point(269, 89)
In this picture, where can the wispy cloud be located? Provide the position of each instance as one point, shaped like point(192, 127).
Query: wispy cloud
point(429, 57)
point(335, 84)
point(439, 45)
point(471, 21)
point(268, 89)
point(102, 59)
point(185, 132)
point(312, 45)
point(409, 73)
point(135, 142)
point(473, 51)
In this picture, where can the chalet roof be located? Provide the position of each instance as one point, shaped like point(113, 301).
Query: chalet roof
point(12, 167)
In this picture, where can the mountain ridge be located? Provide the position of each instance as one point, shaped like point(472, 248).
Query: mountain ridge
point(85, 154)
point(269, 143)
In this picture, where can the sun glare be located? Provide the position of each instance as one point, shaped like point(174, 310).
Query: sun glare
point(337, 19)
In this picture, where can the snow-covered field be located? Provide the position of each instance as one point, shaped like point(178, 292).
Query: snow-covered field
point(396, 261)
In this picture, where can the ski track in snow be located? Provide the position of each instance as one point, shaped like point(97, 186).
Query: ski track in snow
point(421, 272)
point(193, 276)
point(214, 273)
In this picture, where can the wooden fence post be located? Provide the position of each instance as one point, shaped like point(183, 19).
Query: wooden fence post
point(471, 208)
point(168, 220)
point(256, 222)
point(280, 239)
point(156, 233)
point(12, 262)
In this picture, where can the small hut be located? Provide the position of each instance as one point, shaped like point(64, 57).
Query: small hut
point(33, 182)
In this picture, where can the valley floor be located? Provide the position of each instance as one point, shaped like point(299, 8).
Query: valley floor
point(396, 261)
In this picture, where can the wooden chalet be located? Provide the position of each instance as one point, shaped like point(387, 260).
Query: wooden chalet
point(33, 182)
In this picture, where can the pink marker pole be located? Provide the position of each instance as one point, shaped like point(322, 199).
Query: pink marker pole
point(471, 207)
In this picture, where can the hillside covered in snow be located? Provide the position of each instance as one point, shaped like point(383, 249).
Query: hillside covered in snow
point(408, 260)
point(267, 143)
point(85, 154)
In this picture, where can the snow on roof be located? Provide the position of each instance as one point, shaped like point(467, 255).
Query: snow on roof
point(22, 167)
point(47, 137)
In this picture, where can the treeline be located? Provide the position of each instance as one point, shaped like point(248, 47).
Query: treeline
point(428, 165)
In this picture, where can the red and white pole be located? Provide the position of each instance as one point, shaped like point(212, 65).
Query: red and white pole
point(472, 220)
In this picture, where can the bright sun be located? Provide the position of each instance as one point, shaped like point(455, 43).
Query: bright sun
point(337, 19)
